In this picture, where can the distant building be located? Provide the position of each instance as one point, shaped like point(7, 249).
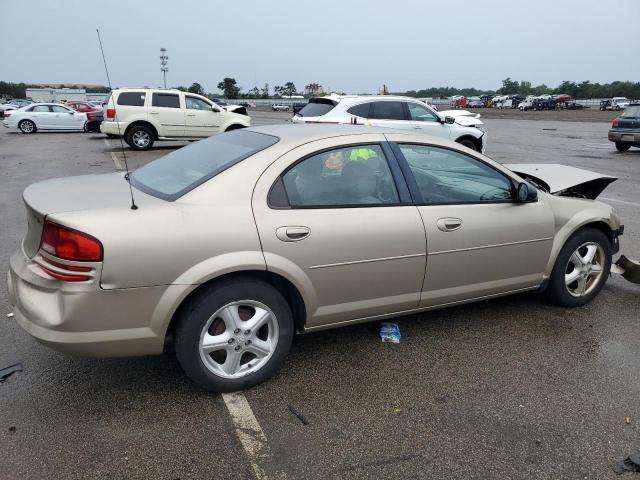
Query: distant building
point(56, 94)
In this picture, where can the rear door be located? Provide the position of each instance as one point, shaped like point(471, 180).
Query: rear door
point(390, 114)
point(42, 115)
point(169, 113)
point(342, 229)
point(480, 242)
point(200, 119)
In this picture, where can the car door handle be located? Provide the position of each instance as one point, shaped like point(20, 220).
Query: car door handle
point(449, 224)
point(153, 113)
point(418, 127)
point(191, 114)
point(292, 234)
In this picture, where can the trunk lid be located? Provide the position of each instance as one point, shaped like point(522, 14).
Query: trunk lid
point(86, 192)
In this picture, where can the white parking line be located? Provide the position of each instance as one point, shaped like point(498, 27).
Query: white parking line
point(116, 162)
point(252, 437)
point(633, 204)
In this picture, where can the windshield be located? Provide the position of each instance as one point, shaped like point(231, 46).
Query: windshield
point(181, 171)
point(631, 112)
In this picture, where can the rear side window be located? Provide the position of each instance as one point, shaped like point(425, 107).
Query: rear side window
point(181, 171)
point(167, 100)
point(316, 108)
point(40, 108)
point(360, 110)
point(133, 99)
point(388, 111)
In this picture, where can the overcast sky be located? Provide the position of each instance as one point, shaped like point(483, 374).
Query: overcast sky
point(347, 45)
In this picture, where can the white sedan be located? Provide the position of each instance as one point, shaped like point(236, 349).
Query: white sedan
point(44, 116)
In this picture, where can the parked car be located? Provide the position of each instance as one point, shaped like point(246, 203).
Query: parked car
point(475, 103)
point(395, 112)
point(459, 101)
point(95, 114)
point(279, 107)
point(144, 115)
point(97, 103)
point(605, 105)
point(235, 244)
point(20, 102)
point(44, 116)
point(571, 105)
point(619, 103)
point(6, 107)
point(241, 109)
point(625, 128)
point(81, 106)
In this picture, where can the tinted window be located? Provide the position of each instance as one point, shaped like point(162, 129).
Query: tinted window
point(446, 176)
point(357, 175)
point(316, 108)
point(168, 100)
point(60, 109)
point(388, 111)
point(631, 112)
point(134, 99)
point(175, 174)
point(360, 110)
point(40, 108)
point(418, 113)
point(194, 103)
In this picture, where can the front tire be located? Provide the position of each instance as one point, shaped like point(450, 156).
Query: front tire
point(469, 144)
point(27, 126)
point(581, 269)
point(140, 138)
point(234, 335)
point(622, 147)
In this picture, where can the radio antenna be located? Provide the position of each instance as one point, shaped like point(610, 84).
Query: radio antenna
point(124, 155)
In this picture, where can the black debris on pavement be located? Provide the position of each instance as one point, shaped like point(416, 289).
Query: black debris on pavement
point(7, 372)
point(300, 416)
point(629, 464)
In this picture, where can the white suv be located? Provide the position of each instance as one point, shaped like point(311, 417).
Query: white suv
point(143, 115)
point(396, 112)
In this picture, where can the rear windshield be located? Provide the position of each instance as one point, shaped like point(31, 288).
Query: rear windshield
point(317, 107)
point(133, 99)
point(181, 171)
point(632, 111)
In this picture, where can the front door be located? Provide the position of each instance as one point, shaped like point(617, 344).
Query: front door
point(200, 119)
point(66, 118)
point(424, 120)
point(479, 241)
point(338, 224)
point(165, 110)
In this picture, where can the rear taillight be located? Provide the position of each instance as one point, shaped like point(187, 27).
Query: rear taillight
point(111, 113)
point(68, 244)
point(615, 122)
point(6, 114)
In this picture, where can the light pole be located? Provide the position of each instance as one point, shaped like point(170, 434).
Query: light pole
point(163, 64)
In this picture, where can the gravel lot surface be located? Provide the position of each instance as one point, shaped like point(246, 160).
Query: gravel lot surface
point(506, 389)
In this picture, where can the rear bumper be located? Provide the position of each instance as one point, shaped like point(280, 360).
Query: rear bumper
point(83, 319)
point(113, 128)
point(624, 136)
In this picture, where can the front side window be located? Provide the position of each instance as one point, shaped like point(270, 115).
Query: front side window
point(418, 113)
point(388, 111)
point(173, 175)
point(446, 176)
point(167, 100)
point(349, 176)
point(132, 99)
point(194, 103)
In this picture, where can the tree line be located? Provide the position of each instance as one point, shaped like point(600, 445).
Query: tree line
point(581, 90)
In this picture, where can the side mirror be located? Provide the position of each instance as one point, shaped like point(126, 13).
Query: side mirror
point(71, 113)
point(215, 108)
point(526, 193)
point(449, 120)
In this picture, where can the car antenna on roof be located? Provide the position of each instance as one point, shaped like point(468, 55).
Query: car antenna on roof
point(124, 155)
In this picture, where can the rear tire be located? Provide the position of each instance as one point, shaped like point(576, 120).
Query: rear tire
point(27, 126)
point(140, 138)
point(622, 147)
point(581, 269)
point(216, 344)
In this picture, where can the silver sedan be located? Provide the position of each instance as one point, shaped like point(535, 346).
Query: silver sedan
point(238, 241)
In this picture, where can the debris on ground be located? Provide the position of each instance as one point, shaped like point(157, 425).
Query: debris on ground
point(627, 420)
point(629, 269)
point(10, 314)
point(629, 464)
point(300, 416)
point(389, 332)
point(7, 372)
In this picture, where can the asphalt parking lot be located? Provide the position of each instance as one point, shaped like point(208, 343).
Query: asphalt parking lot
point(507, 389)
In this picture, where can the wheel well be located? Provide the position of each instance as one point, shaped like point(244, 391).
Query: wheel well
point(144, 124)
point(235, 126)
point(284, 286)
point(598, 225)
point(476, 141)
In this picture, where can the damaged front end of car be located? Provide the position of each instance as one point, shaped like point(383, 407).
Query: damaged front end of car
point(565, 181)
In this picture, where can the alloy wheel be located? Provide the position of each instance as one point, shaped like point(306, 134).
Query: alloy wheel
point(584, 269)
point(26, 127)
point(141, 139)
point(238, 339)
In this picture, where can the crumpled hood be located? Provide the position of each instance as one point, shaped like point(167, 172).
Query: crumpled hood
point(563, 180)
point(463, 117)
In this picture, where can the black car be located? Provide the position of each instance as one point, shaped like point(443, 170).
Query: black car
point(544, 104)
point(625, 129)
point(94, 119)
point(605, 105)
